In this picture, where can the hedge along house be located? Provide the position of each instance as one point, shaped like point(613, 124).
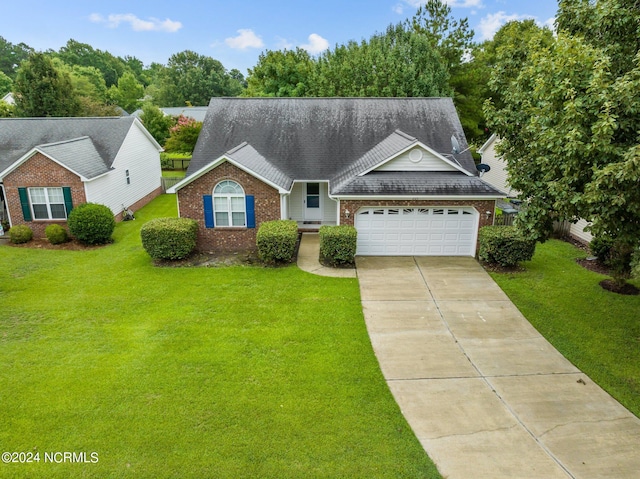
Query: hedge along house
point(384, 165)
point(48, 165)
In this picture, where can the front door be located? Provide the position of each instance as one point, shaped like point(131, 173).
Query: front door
point(312, 207)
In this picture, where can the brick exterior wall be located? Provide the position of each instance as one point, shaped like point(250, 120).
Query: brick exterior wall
point(39, 171)
point(228, 239)
point(482, 206)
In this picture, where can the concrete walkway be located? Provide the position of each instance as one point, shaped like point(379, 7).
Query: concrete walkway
point(308, 259)
point(485, 394)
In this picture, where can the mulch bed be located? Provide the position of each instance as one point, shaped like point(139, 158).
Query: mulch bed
point(608, 284)
point(43, 243)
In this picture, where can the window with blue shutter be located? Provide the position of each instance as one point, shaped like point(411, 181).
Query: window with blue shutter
point(251, 211)
point(208, 211)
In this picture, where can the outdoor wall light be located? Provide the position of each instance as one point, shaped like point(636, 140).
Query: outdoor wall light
point(347, 213)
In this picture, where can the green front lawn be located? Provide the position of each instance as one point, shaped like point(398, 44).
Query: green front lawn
point(190, 372)
point(596, 330)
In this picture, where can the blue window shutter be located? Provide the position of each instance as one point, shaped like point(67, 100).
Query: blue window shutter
point(208, 210)
point(68, 200)
point(251, 211)
point(24, 202)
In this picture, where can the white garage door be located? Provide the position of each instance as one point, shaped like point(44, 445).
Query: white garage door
point(417, 231)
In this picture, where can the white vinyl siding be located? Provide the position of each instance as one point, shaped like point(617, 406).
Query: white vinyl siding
point(296, 203)
point(141, 159)
point(417, 159)
point(497, 176)
point(425, 231)
point(578, 231)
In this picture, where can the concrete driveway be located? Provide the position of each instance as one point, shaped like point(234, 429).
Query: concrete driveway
point(485, 394)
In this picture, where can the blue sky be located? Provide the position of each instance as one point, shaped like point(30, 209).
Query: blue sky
point(233, 32)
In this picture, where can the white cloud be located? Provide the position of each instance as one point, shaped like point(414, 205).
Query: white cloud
point(284, 44)
point(246, 39)
point(316, 44)
point(137, 24)
point(490, 24)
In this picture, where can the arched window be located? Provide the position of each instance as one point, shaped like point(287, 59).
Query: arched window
point(229, 204)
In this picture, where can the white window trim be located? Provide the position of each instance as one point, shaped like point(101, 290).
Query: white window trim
point(47, 203)
point(229, 210)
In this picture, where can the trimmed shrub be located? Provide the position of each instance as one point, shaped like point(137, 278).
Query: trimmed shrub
point(276, 241)
point(601, 248)
point(504, 245)
point(91, 223)
point(20, 234)
point(338, 245)
point(56, 234)
point(169, 238)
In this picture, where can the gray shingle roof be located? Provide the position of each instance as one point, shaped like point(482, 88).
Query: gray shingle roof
point(315, 138)
point(335, 139)
point(79, 155)
point(400, 183)
point(247, 156)
point(19, 135)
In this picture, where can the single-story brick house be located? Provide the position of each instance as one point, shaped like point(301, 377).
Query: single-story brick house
point(48, 165)
point(384, 165)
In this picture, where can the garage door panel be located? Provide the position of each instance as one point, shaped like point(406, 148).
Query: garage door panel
point(417, 231)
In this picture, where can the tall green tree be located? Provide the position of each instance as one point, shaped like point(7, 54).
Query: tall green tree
point(83, 54)
point(6, 84)
point(570, 128)
point(11, 56)
point(193, 78)
point(281, 73)
point(42, 91)
point(156, 122)
point(89, 87)
point(453, 40)
point(128, 94)
point(397, 63)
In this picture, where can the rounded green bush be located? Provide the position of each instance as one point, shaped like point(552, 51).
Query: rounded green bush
point(504, 245)
point(56, 234)
point(338, 244)
point(91, 223)
point(20, 234)
point(276, 241)
point(169, 238)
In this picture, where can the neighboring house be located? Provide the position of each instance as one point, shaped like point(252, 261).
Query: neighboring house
point(8, 98)
point(497, 177)
point(48, 165)
point(381, 164)
point(195, 112)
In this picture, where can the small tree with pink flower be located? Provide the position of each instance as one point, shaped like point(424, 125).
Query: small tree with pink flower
point(183, 135)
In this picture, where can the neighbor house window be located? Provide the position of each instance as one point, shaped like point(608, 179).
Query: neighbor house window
point(128, 177)
point(229, 204)
point(47, 203)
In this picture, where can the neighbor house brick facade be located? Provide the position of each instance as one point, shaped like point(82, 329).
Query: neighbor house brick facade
point(49, 165)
